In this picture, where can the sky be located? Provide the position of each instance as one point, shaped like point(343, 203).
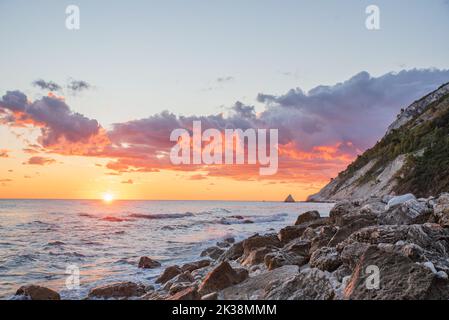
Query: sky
point(308, 68)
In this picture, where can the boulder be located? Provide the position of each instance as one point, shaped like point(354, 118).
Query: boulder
point(195, 265)
point(118, 290)
point(298, 246)
point(400, 278)
point(186, 294)
point(35, 292)
point(289, 199)
point(168, 274)
point(148, 263)
point(309, 284)
point(307, 216)
point(253, 288)
point(398, 200)
point(326, 259)
point(212, 252)
point(354, 224)
point(407, 212)
point(222, 277)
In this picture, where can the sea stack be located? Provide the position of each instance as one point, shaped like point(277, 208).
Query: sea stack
point(289, 199)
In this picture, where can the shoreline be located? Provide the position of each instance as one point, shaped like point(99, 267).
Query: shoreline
point(318, 258)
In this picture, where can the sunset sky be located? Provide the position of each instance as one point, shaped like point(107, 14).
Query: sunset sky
point(89, 112)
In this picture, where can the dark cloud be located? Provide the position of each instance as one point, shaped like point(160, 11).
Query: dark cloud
point(52, 115)
point(78, 85)
point(46, 85)
point(40, 161)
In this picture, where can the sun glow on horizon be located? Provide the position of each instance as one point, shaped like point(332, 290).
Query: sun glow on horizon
point(108, 197)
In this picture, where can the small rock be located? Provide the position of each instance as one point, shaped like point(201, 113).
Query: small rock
point(148, 263)
point(35, 292)
point(289, 199)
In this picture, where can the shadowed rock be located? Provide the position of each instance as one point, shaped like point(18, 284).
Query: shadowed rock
point(148, 263)
point(35, 292)
point(222, 277)
point(118, 290)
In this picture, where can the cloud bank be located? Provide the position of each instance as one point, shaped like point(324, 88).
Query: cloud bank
point(320, 131)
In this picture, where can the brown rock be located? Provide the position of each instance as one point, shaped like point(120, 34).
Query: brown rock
point(222, 277)
point(169, 273)
point(326, 259)
point(212, 252)
point(257, 256)
point(118, 290)
point(148, 263)
point(195, 265)
point(281, 258)
point(186, 294)
point(233, 253)
point(35, 292)
point(258, 241)
point(307, 216)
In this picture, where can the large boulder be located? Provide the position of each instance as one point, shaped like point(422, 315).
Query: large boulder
point(257, 256)
point(35, 292)
point(292, 232)
point(168, 274)
point(307, 216)
point(399, 278)
point(282, 258)
point(148, 263)
point(398, 200)
point(309, 284)
point(407, 212)
point(118, 290)
point(222, 276)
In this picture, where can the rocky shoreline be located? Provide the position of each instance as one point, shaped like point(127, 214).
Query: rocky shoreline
point(401, 241)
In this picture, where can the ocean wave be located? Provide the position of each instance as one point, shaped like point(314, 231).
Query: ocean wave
point(239, 219)
point(162, 216)
point(55, 243)
point(114, 219)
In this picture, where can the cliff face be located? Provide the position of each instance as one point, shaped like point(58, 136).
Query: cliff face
point(413, 156)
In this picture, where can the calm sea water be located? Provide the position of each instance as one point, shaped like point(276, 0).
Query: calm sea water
point(40, 238)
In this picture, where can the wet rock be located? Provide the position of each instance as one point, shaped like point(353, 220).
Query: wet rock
point(212, 252)
point(326, 259)
point(178, 287)
point(168, 274)
point(233, 253)
point(186, 294)
point(195, 265)
point(185, 277)
point(118, 290)
point(307, 216)
point(222, 277)
point(148, 263)
point(309, 284)
point(400, 278)
point(35, 292)
point(254, 288)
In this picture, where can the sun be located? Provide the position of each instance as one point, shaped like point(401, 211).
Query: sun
point(107, 197)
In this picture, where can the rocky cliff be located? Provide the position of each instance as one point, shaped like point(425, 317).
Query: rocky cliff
point(413, 156)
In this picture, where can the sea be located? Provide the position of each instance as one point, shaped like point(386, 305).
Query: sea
point(47, 242)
